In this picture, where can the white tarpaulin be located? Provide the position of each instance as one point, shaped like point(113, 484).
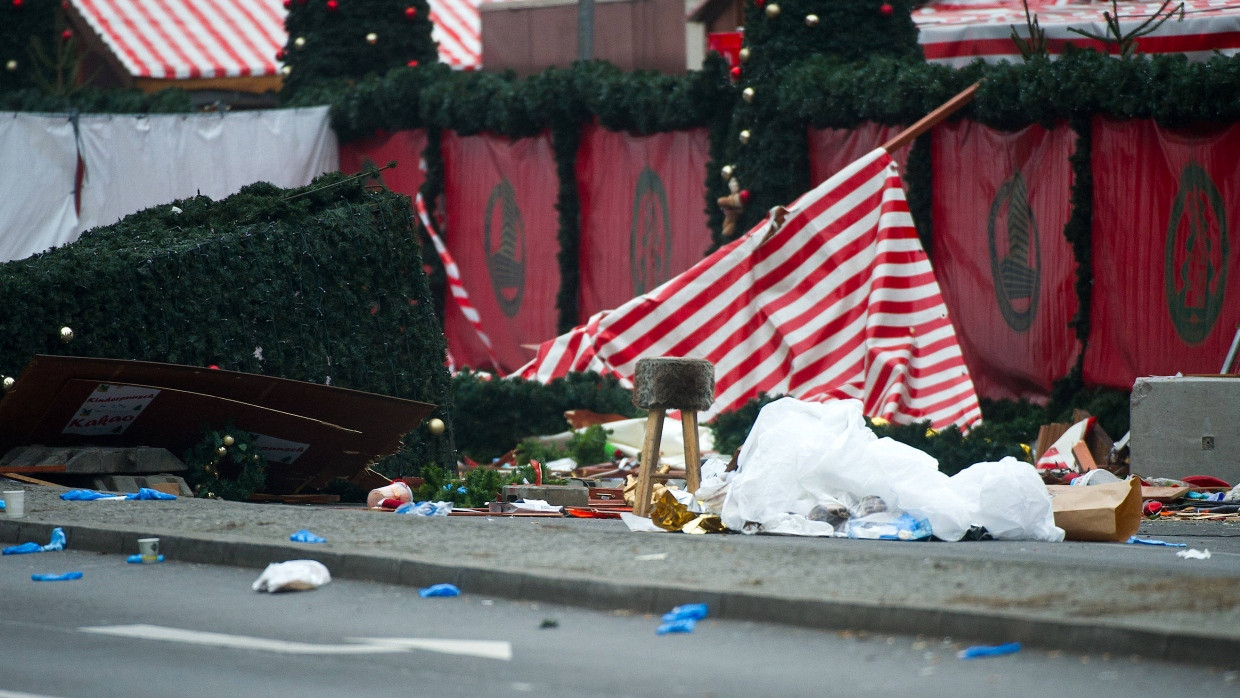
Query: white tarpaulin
point(37, 165)
point(133, 163)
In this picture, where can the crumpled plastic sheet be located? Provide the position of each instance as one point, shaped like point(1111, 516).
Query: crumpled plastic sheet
point(305, 536)
point(439, 590)
point(144, 493)
point(800, 455)
point(292, 575)
point(425, 508)
point(67, 576)
point(57, 542)
point(696, 611)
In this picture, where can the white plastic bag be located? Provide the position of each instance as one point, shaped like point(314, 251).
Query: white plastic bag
point(800, 454)
point(1009, 499)
point(293, 575)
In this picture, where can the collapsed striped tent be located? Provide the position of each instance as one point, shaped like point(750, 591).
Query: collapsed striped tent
point(839, 302)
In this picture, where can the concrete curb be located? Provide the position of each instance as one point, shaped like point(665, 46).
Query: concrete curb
point(1093, 635)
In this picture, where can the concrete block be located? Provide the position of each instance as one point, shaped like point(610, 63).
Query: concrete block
point(1186, 425)
point(555, 495)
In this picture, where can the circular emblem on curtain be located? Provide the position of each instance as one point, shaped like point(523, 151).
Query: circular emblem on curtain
point(650, 235)
point(1196, 256)
point(504, 238)
point(1015, 255)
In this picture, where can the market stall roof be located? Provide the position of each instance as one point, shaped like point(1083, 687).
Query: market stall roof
point(232, 42)
point(227, 44)
point(957, 32)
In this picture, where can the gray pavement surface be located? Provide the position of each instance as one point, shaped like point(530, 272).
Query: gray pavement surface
point(1084, 597)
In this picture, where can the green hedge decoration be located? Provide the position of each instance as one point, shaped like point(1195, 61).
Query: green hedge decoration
point(323, 279)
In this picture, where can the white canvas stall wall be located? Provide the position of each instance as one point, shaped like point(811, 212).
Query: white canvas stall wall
point(37, 165)
point(133, 163)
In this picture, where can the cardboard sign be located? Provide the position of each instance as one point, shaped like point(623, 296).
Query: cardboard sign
point(110, 409)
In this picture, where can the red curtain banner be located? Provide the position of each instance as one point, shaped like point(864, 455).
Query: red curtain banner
point(1001, 200)
point(1165, 270)
point(502, 228)
point(643, 212)
point(833, 149)
point(405, 147)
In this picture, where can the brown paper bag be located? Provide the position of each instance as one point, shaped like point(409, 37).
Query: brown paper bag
point(1109, 512)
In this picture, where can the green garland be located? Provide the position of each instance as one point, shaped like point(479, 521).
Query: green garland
point(225, 464)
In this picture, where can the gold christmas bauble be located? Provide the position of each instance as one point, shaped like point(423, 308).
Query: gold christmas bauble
point(229, 440)
point(747, 95)
point(221, 450)
point(11, 65)
point(744, 136)
point(727, 172)
point(372, 38)
point(811, 20)
point(9, 383)
point(744, 54)
point(435, 426)
point(299, 42)
point(772, 10)
point(66, 335)
point(286, 69)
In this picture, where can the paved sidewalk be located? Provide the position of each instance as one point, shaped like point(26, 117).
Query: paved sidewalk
point(1087, 597)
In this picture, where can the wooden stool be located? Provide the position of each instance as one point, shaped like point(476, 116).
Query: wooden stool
point(667, 383)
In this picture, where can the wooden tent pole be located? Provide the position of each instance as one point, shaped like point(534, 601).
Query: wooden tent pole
point(930, 120)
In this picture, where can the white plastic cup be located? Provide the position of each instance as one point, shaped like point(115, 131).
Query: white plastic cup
point(148, 548)
point(397, 490)
point(15, 503)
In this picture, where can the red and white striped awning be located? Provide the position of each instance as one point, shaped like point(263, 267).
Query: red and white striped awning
point(189, 39)
point(458, 31)
point(957, 32)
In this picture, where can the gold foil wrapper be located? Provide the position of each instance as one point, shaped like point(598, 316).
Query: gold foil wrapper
point(669, 514)
point(705, 523)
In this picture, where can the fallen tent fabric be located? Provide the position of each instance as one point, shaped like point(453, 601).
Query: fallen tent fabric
point(839, 302)
point(802, 455)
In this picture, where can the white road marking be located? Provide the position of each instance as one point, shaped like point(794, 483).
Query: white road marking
point(486, 649)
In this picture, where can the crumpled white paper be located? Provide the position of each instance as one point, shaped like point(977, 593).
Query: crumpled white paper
point(1194, 554)
point(293, 575)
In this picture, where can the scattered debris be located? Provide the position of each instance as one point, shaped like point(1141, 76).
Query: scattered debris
point(978, 651)
point(1149, 541)
point(305, 536)
point(67, 576)
point(549, 623)
point(1194, 554)
point(425, 508)
point(293, 575)
point(439, 590)
point(137, 559)
point(57, 542)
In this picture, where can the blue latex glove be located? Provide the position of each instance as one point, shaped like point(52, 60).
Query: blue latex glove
point(1151, 541)
point(57, 543)
point(56, 577)
point(304, 536)
point(148, 493)
point(693, 611)
point(988, 650)
point(684, 625)
point(439, 590)
point(136, 559)
point(86, 496)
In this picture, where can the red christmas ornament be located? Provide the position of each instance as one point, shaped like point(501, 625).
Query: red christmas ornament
point(66, 35)
point(413, 64)
point(288, 4)
point(736, 72)
point(411, 12)
point(744, 196)
point(17, 3)
point(332, 5)
point(759, 3)
point(886, 9)
point(280, 55)
point(213, 367)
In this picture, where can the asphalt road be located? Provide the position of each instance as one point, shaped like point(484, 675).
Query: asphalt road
point(194, 629)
